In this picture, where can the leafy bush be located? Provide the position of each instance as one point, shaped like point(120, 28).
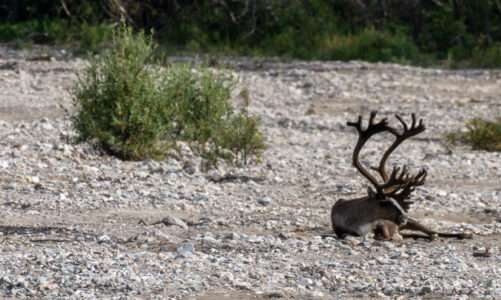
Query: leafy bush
point(200, 101)
point(242, 137)
point(134, 109)
point(201, 113)
point(120, 102)
point(480, 134)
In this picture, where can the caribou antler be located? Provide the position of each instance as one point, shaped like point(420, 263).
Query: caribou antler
point(408, 132)
point(363, 137)
point(399, 184)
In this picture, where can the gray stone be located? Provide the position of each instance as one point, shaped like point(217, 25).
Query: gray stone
point(265, 201)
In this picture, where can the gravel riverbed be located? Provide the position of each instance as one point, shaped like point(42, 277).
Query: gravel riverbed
point(76, 224)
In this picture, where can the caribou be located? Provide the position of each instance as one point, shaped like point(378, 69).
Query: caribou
point(384, 210)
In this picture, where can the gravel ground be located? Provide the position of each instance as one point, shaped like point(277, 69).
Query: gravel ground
point(79, 225)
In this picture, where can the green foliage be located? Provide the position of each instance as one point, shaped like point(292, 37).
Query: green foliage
point(136, 110)
point(451, 33)
point(200, 101)
point(79, 36)
point(90, 37)
point(120, 101)
point(242, 137)
point(480, 134)
point(441, 32)
point(489, 57)
point(370, 45)
point(201, 113)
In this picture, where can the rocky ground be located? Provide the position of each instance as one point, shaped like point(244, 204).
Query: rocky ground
point(80, 225)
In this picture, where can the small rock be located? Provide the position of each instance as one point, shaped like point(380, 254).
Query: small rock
point(4, 164)
point(227, 276)
point(232, 236)
point(482, 252)
point(425, 290)
point(189, 168)
point(210, 240)
point(185, 250)
point(315, 295)
point(174, 221)
point(382, 260)
point(265, 201)
point(305, 281)
point(352, 241)
point(241, 285)
point(442, 193)
point(200, 198)
point(103, 239)
point(273, 295)
point(46, 125)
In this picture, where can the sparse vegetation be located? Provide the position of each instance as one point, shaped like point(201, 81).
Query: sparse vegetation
point(480, 134)
point(135, 109)
point(241, 136)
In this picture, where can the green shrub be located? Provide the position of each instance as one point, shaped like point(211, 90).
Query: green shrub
point(480, 134)
point(200, 101)
point(488, 57)
point(120, 102)
point(135, 110)
point(202, 114)
point(242, 137)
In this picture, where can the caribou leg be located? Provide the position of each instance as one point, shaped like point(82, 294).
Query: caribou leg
point(414, 225)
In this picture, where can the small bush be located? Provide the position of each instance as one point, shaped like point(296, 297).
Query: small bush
point(120, 103)
point(135, 110)
point(200, 101)
point(480, 134)
point(242, 137)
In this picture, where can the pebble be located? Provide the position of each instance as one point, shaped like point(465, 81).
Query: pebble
point(185, 250)
point(265, 201)
point(173, 220)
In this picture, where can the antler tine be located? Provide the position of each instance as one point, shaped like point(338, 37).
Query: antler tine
point(357, 124)
point(421, 177)
point(372, 117)
point(402, 121)
point(364, 135)
point(397, 179)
